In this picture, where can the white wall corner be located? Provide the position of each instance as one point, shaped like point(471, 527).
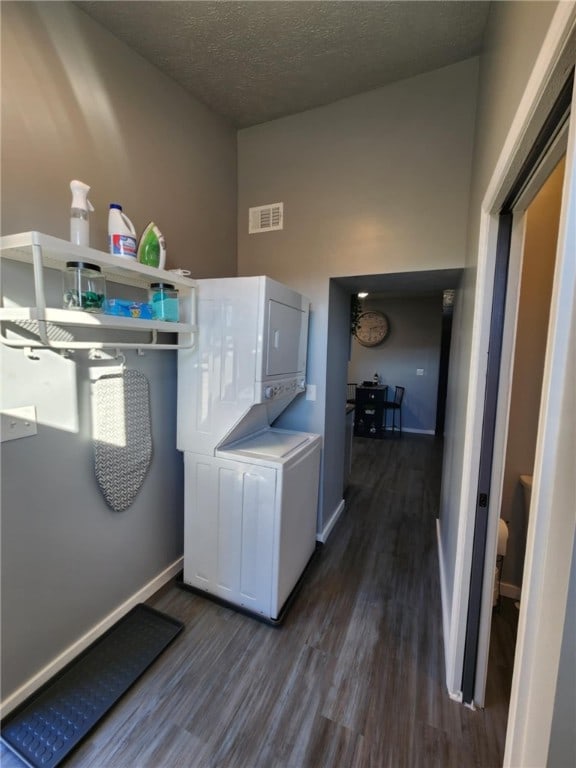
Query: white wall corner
point(455, 695)
point(327, 530)
point(472, 443)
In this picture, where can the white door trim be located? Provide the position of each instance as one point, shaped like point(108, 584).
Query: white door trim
point(539, 177)
point(547, 65)
point(552, 523)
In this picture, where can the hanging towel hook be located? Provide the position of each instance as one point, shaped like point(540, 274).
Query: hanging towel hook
point(100, 371)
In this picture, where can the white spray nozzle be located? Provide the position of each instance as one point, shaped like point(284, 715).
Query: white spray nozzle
point(80, 195)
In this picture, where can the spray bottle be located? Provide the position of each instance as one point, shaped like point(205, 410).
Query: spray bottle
point(79, 225)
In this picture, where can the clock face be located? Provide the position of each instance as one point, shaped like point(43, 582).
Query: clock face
point(372, 328)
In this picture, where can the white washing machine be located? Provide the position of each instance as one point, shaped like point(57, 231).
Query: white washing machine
point(251, 490)
point(250, 522)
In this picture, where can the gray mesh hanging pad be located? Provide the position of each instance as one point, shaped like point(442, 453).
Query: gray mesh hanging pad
point(122, 436)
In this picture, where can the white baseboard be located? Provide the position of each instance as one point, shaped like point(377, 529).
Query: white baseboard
point(326, 531)
point(443, 596)
point(510, 590)
point(76, 648)
point(454, 695)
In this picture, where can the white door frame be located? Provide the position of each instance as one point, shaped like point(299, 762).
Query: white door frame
point(541, 174)
point(552, 522)
point(533, 692)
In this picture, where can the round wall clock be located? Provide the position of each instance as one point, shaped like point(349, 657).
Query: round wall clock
point(372, 328)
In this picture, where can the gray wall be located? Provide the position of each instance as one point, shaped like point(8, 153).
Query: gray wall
point(372, 184)
point(413, 343)
point(76, 103)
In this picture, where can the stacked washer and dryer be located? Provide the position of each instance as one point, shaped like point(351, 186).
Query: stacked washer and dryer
point(251, 489)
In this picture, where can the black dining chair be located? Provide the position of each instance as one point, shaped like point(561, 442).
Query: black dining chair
point(395, 406)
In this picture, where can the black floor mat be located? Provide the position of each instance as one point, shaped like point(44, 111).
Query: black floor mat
point(45, 728)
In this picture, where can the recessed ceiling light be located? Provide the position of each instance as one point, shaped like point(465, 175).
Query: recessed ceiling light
point(362, 295)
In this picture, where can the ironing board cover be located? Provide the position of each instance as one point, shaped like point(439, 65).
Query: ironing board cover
point(122, 436)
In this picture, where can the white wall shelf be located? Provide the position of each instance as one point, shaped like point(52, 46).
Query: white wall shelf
point(55, 328)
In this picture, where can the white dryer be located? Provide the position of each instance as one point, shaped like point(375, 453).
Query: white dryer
point(251, 490)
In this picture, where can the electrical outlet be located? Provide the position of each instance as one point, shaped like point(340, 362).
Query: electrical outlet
point(18, 422)
point(311, 392)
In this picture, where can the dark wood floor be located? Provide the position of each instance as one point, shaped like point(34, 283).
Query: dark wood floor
point(353, 678)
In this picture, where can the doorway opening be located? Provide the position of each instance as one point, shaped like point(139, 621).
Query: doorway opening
point(536, 273)
point(414, 353)
point(392, 293)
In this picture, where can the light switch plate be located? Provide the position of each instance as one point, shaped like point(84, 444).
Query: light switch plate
point(419, 371)
point(310, 391)
point(18, 422)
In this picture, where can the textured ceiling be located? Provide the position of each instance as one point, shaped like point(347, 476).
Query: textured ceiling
point(254, 61)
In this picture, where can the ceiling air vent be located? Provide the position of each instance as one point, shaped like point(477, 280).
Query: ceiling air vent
point(266, 218)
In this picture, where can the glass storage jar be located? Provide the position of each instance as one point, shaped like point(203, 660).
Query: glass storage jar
point(164, 301)
point(84, 287)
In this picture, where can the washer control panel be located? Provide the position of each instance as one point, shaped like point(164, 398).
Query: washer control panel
point(283, 388)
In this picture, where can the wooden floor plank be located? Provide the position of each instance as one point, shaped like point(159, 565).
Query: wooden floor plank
point(354, 678)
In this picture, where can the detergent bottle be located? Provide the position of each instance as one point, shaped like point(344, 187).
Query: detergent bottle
point(79, 224)
point(122, 238)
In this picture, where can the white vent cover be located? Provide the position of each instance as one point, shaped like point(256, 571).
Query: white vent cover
point(266, 218)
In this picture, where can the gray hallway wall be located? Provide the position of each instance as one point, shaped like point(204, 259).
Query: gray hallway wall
point(77, 103)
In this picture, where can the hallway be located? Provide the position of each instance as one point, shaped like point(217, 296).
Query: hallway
point(355, 676)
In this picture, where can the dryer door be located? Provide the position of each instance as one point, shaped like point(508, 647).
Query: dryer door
point(286, 328)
